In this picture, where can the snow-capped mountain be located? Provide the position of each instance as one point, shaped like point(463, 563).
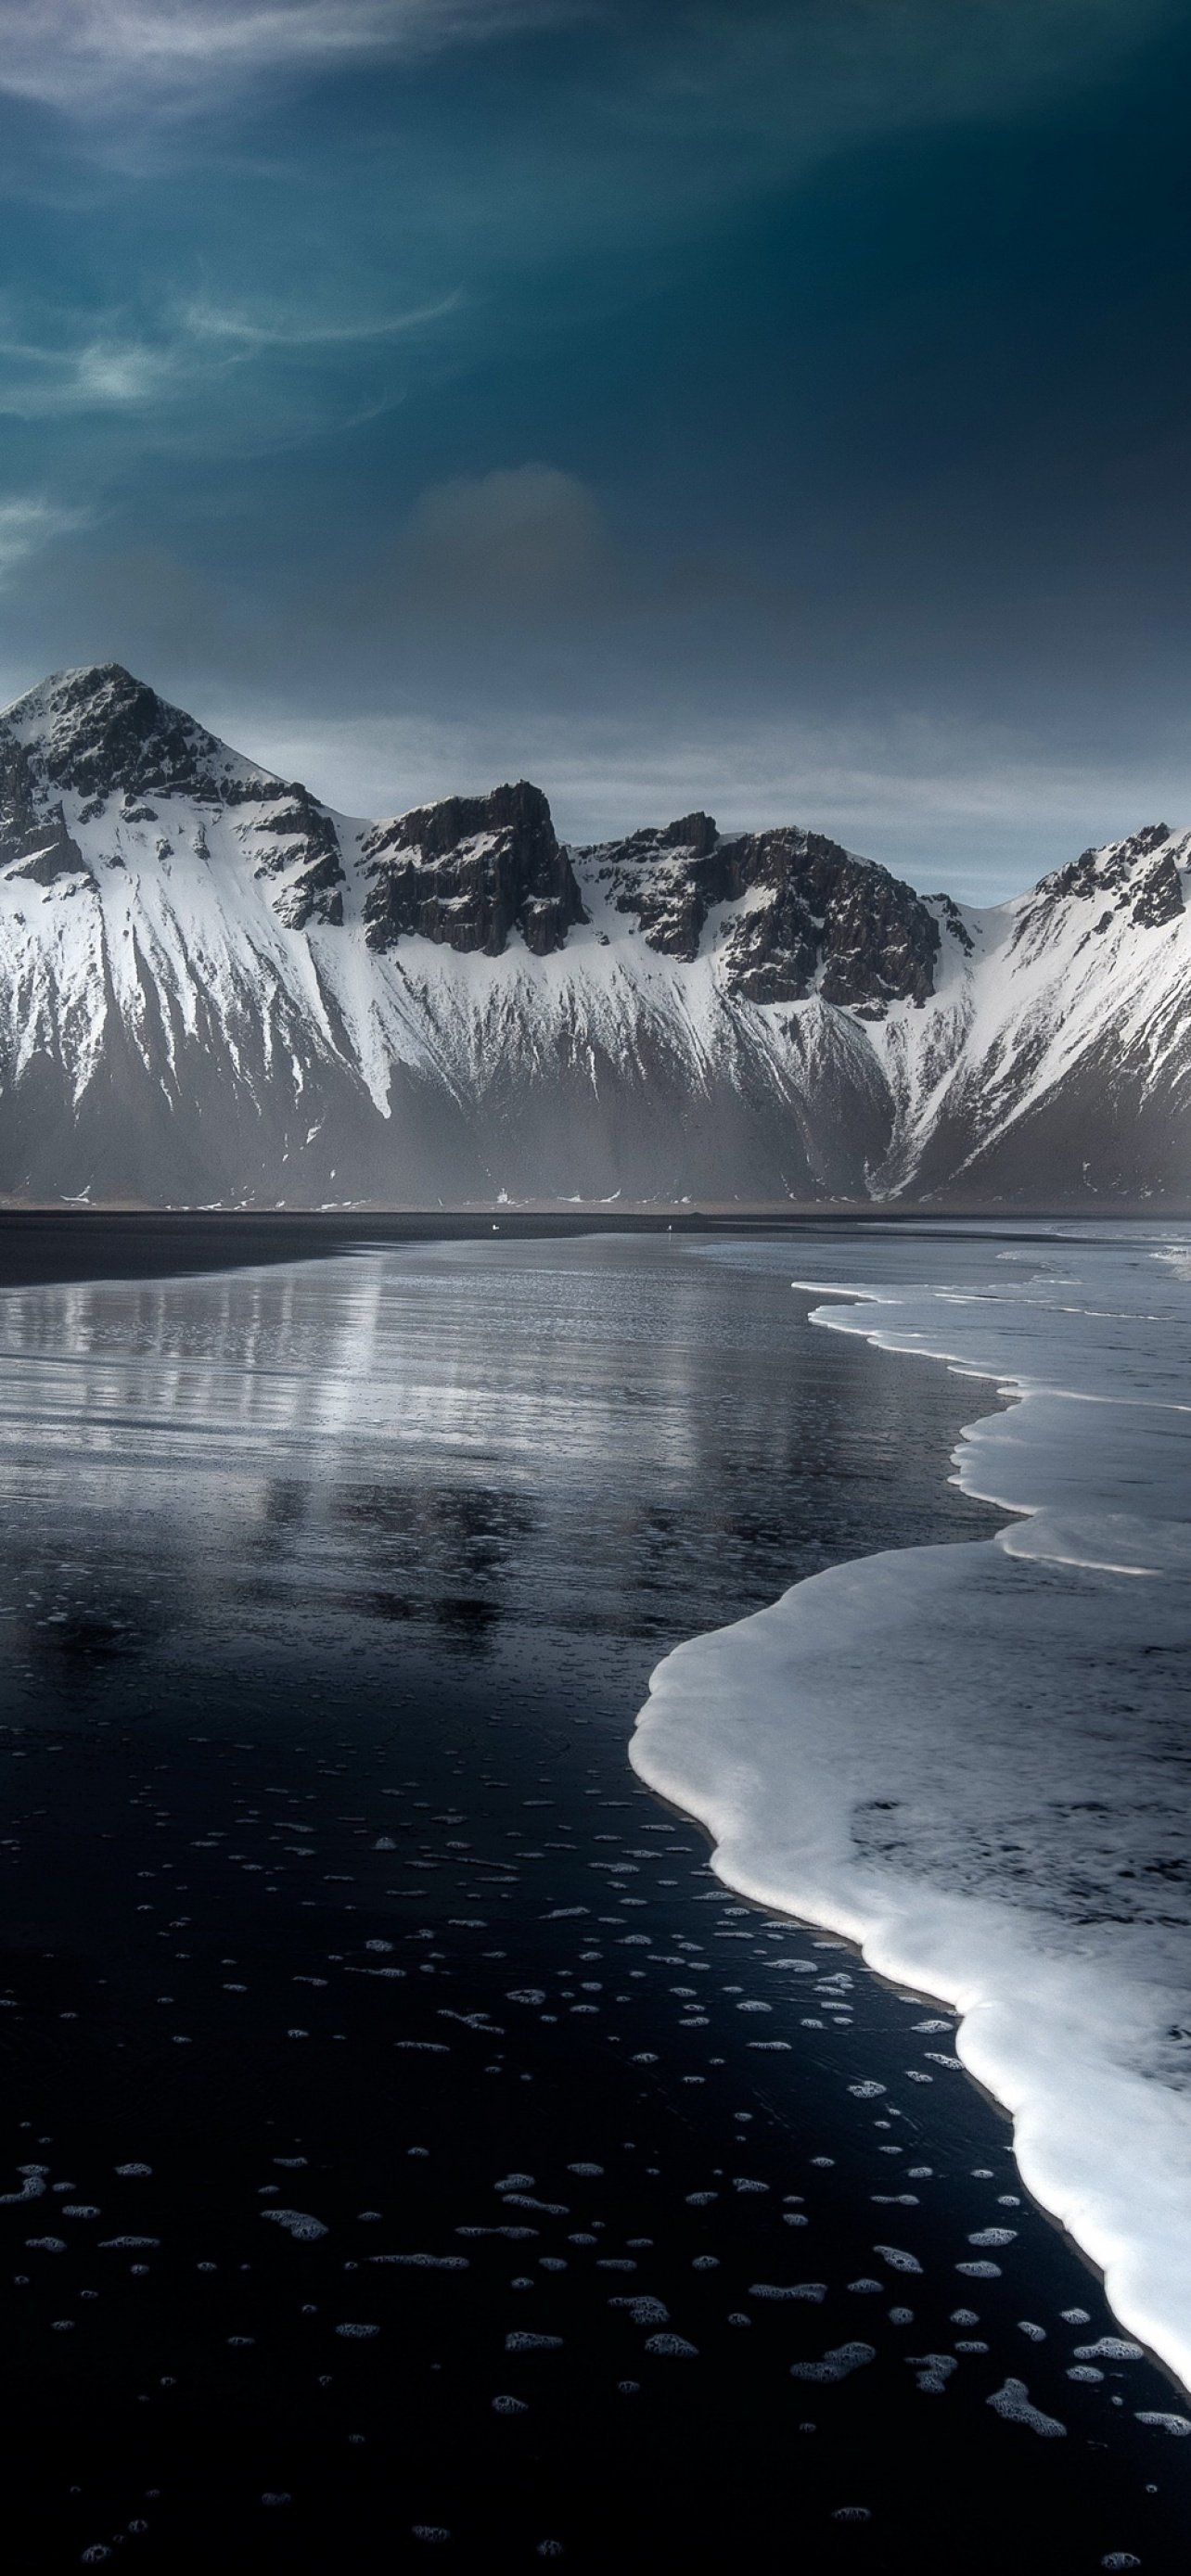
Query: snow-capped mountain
point(215, 989)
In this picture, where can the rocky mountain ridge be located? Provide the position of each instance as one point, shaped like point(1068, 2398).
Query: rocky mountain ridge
point(216, 989)
point(469, 872)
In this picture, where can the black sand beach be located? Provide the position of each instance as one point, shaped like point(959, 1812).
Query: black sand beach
point(410, 2145)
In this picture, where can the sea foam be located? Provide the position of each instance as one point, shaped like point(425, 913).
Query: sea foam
point(974, 1759)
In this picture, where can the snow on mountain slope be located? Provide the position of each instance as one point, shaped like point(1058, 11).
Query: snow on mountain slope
point(214, 988)
point(1076, 1054)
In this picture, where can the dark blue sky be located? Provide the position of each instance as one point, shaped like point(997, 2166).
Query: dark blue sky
point(777, 407)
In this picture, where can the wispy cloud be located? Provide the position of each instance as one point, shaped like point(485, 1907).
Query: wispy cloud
point(27, 524)
point(786, 73)
point(97, 370)
point(78, 54)
point(54, 365)
point(279, 329)
point(58, 362)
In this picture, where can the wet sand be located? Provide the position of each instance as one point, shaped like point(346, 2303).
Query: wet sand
point(503, 2187)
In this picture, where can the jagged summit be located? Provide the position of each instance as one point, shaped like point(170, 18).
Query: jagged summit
point(213, 987)
point(101, 759)
point(817, 917)
point(1142, 874)
point(102, 732)
point(470, 871)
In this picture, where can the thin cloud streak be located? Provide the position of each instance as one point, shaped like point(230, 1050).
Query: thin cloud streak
point(794, 84)
point(29, 523)
point(213, 322)
point(98, 374)
point(75, 54)
point(104, 367)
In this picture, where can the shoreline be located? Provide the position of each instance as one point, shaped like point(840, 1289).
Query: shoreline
point(903, 1925)
point(55, 1246)
point(578, 1215)
point(908, 1992)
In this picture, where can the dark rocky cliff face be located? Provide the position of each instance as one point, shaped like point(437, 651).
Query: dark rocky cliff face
point(819, 919)
point(291, 833)
point(1138, 875)
point(472, 869)
point(469, 871)
point(33, 843)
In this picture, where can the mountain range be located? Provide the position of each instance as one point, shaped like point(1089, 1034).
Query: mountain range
point(216, 990)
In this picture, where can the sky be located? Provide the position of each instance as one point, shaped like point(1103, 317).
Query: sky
point(779, 406)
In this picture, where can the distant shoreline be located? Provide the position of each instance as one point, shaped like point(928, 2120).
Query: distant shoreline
point(46, 1246)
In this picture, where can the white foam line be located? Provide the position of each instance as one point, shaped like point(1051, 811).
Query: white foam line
point(970, 1760)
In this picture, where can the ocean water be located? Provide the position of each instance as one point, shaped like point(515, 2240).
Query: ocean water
point(411, 2145)
point(976, 1759)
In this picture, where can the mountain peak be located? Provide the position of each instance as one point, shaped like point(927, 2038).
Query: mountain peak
point(1141, 873)
point(64, 698)
point(102, 732)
